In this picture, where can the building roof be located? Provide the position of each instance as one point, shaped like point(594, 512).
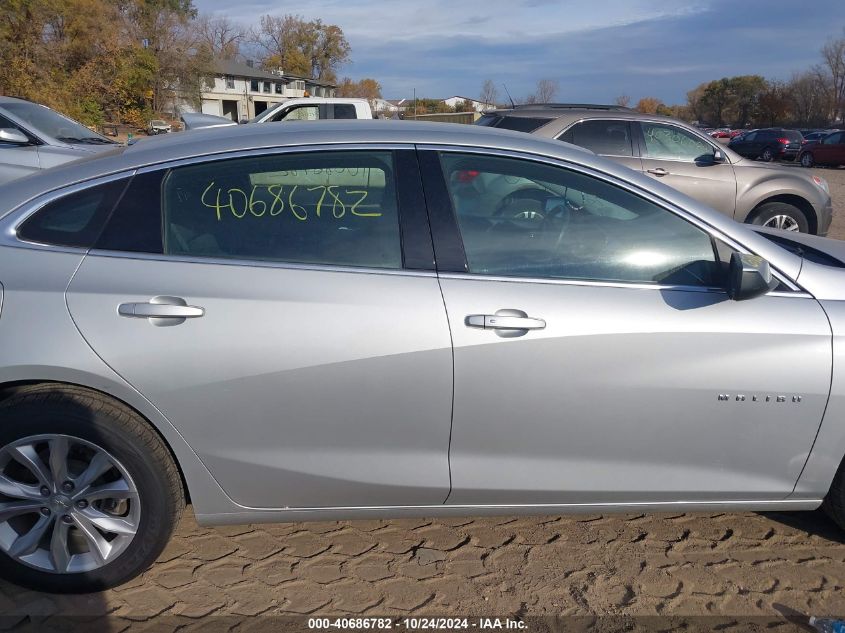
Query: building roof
point(239, 69)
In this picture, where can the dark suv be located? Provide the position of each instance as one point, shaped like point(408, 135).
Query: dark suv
point(768, 144)
point(684, 158)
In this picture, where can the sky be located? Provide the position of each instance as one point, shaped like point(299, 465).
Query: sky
point(596, 50)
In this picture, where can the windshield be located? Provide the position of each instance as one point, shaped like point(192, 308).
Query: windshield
point(53, 124)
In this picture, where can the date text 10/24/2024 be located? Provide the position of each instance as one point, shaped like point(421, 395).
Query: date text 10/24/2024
point(417, 624)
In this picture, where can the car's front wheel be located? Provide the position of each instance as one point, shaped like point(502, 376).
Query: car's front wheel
point(780, 215)
point(806, 159)
point(89, 493)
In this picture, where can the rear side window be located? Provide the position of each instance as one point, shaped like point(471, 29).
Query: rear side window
point(521, 123)
point(793, 135)
point(611, 138)
point(344, 111)
point(135, 223)
point(74, 220)
point(335, 208)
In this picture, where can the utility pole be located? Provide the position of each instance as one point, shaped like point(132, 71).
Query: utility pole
point(415, 103)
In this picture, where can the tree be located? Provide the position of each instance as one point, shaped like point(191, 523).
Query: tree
point(366, 88)
point(745, 92)
point(832, 72)
point(695, 102)
point(808, 99)
point(622, 100)
point(772, 104)
point(310, 49)
point(546, 90)
point(716, 99)
point(220, 36)
point(489, 94)
point(649, 105)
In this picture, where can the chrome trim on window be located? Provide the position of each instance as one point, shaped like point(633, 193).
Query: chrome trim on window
point(608, 178)
point(260, 263)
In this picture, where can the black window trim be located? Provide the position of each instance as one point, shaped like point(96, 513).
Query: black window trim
point(447, 239)
point(414, 230)
point(636, 150)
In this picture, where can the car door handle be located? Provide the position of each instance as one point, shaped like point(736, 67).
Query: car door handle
point(506, 322)
point(658, 172)
point(161, 310)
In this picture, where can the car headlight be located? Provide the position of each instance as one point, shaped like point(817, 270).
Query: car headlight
point(821, 182)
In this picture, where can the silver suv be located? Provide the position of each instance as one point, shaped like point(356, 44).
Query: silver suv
point(34, 137)
point(682, 157)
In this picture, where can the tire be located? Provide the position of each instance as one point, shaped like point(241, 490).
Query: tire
point(781, 215)
point(132, 458)
point(767, 155)
point(834, 501)
point(806, 160)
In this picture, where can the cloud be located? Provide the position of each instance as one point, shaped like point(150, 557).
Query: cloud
point(595, 49)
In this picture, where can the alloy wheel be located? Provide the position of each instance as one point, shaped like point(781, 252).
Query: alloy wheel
point(784, 222)
point(66, 504)
point(807, 160)
point(767, 155)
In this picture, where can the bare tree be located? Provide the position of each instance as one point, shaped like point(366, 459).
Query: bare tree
point(546, 91)
point(832, 71)
point(221, 36)
point(808, 98)
point(489, 94)
point(622, 100)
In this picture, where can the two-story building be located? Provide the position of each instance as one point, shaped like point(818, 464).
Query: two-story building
point(242, 90)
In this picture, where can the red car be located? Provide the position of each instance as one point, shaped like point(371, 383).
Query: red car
point(722, 132)
point(735, 133)
point(829, 150)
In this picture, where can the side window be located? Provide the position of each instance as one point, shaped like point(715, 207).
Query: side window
point(344, 111)
point(523, 219)
point(302, 113)
point(750, 136)
point(135, 223)
point(336, 208)
point(611, 138)
point(833, 139)
point(669, 142)
point(75, 219)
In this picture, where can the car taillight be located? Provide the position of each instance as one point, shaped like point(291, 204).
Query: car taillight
point(784, 141)
point(467, 175)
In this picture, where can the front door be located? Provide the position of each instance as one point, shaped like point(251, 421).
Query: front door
point(597, 361)
point(272, 318)
point(684, 161)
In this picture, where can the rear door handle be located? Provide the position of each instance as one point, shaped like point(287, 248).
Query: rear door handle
point(659, 171)
point(161, 310)
point(507, 323)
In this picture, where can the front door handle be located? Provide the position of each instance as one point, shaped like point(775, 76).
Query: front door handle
point(659, 171)
point(506, 323)
point(161, 310)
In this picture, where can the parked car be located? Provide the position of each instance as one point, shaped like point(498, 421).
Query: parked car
point(34, 137)
point(680, 156)
point(812, 137)
point(829, 150)
point(735, 133)
point(326, 322)
point(305, 109)
point(158, 126)
point(768, 144)
point(722, 132)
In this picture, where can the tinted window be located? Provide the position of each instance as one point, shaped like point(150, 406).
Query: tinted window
point(74, 220)
point(748, 137)
point(524, 219)
point(521, 123)
point(671, 142)
point(344, 111)
point(765, 135)
point(488, 120)
point(602, 137)
point(320, 208)
point(135, 223)
point(792, 135)
point(833, 139)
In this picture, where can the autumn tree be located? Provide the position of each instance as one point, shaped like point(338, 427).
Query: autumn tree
point(648, 105)
point(366, 88)
point(306, 48)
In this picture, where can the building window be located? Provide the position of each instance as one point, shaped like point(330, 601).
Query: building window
point(230, 81)
point(266, 86)
point(279, 89)
point(253, 85)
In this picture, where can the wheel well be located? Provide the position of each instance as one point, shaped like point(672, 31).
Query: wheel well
point(796, 201)
point(9, 389)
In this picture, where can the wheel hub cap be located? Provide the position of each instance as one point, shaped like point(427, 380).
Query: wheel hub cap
point(66, 504)
point(783, 222)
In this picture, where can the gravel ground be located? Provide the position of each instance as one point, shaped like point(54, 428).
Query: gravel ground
point(632, 568)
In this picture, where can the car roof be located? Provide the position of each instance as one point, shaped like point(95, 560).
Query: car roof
point(573, 112)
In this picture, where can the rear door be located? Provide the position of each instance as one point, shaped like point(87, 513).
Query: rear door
point(683, 160)
point(613, 139)
point(277, 311)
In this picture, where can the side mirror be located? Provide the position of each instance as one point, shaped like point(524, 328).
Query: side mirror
point(718, 156)
point(749, 276)
point(11, 135)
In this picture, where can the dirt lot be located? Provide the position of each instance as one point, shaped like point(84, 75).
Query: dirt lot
point(735, 565)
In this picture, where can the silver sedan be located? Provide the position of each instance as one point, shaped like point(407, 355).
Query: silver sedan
point(377, 319)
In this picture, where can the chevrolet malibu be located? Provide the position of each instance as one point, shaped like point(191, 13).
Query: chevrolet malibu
point(383, 319)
